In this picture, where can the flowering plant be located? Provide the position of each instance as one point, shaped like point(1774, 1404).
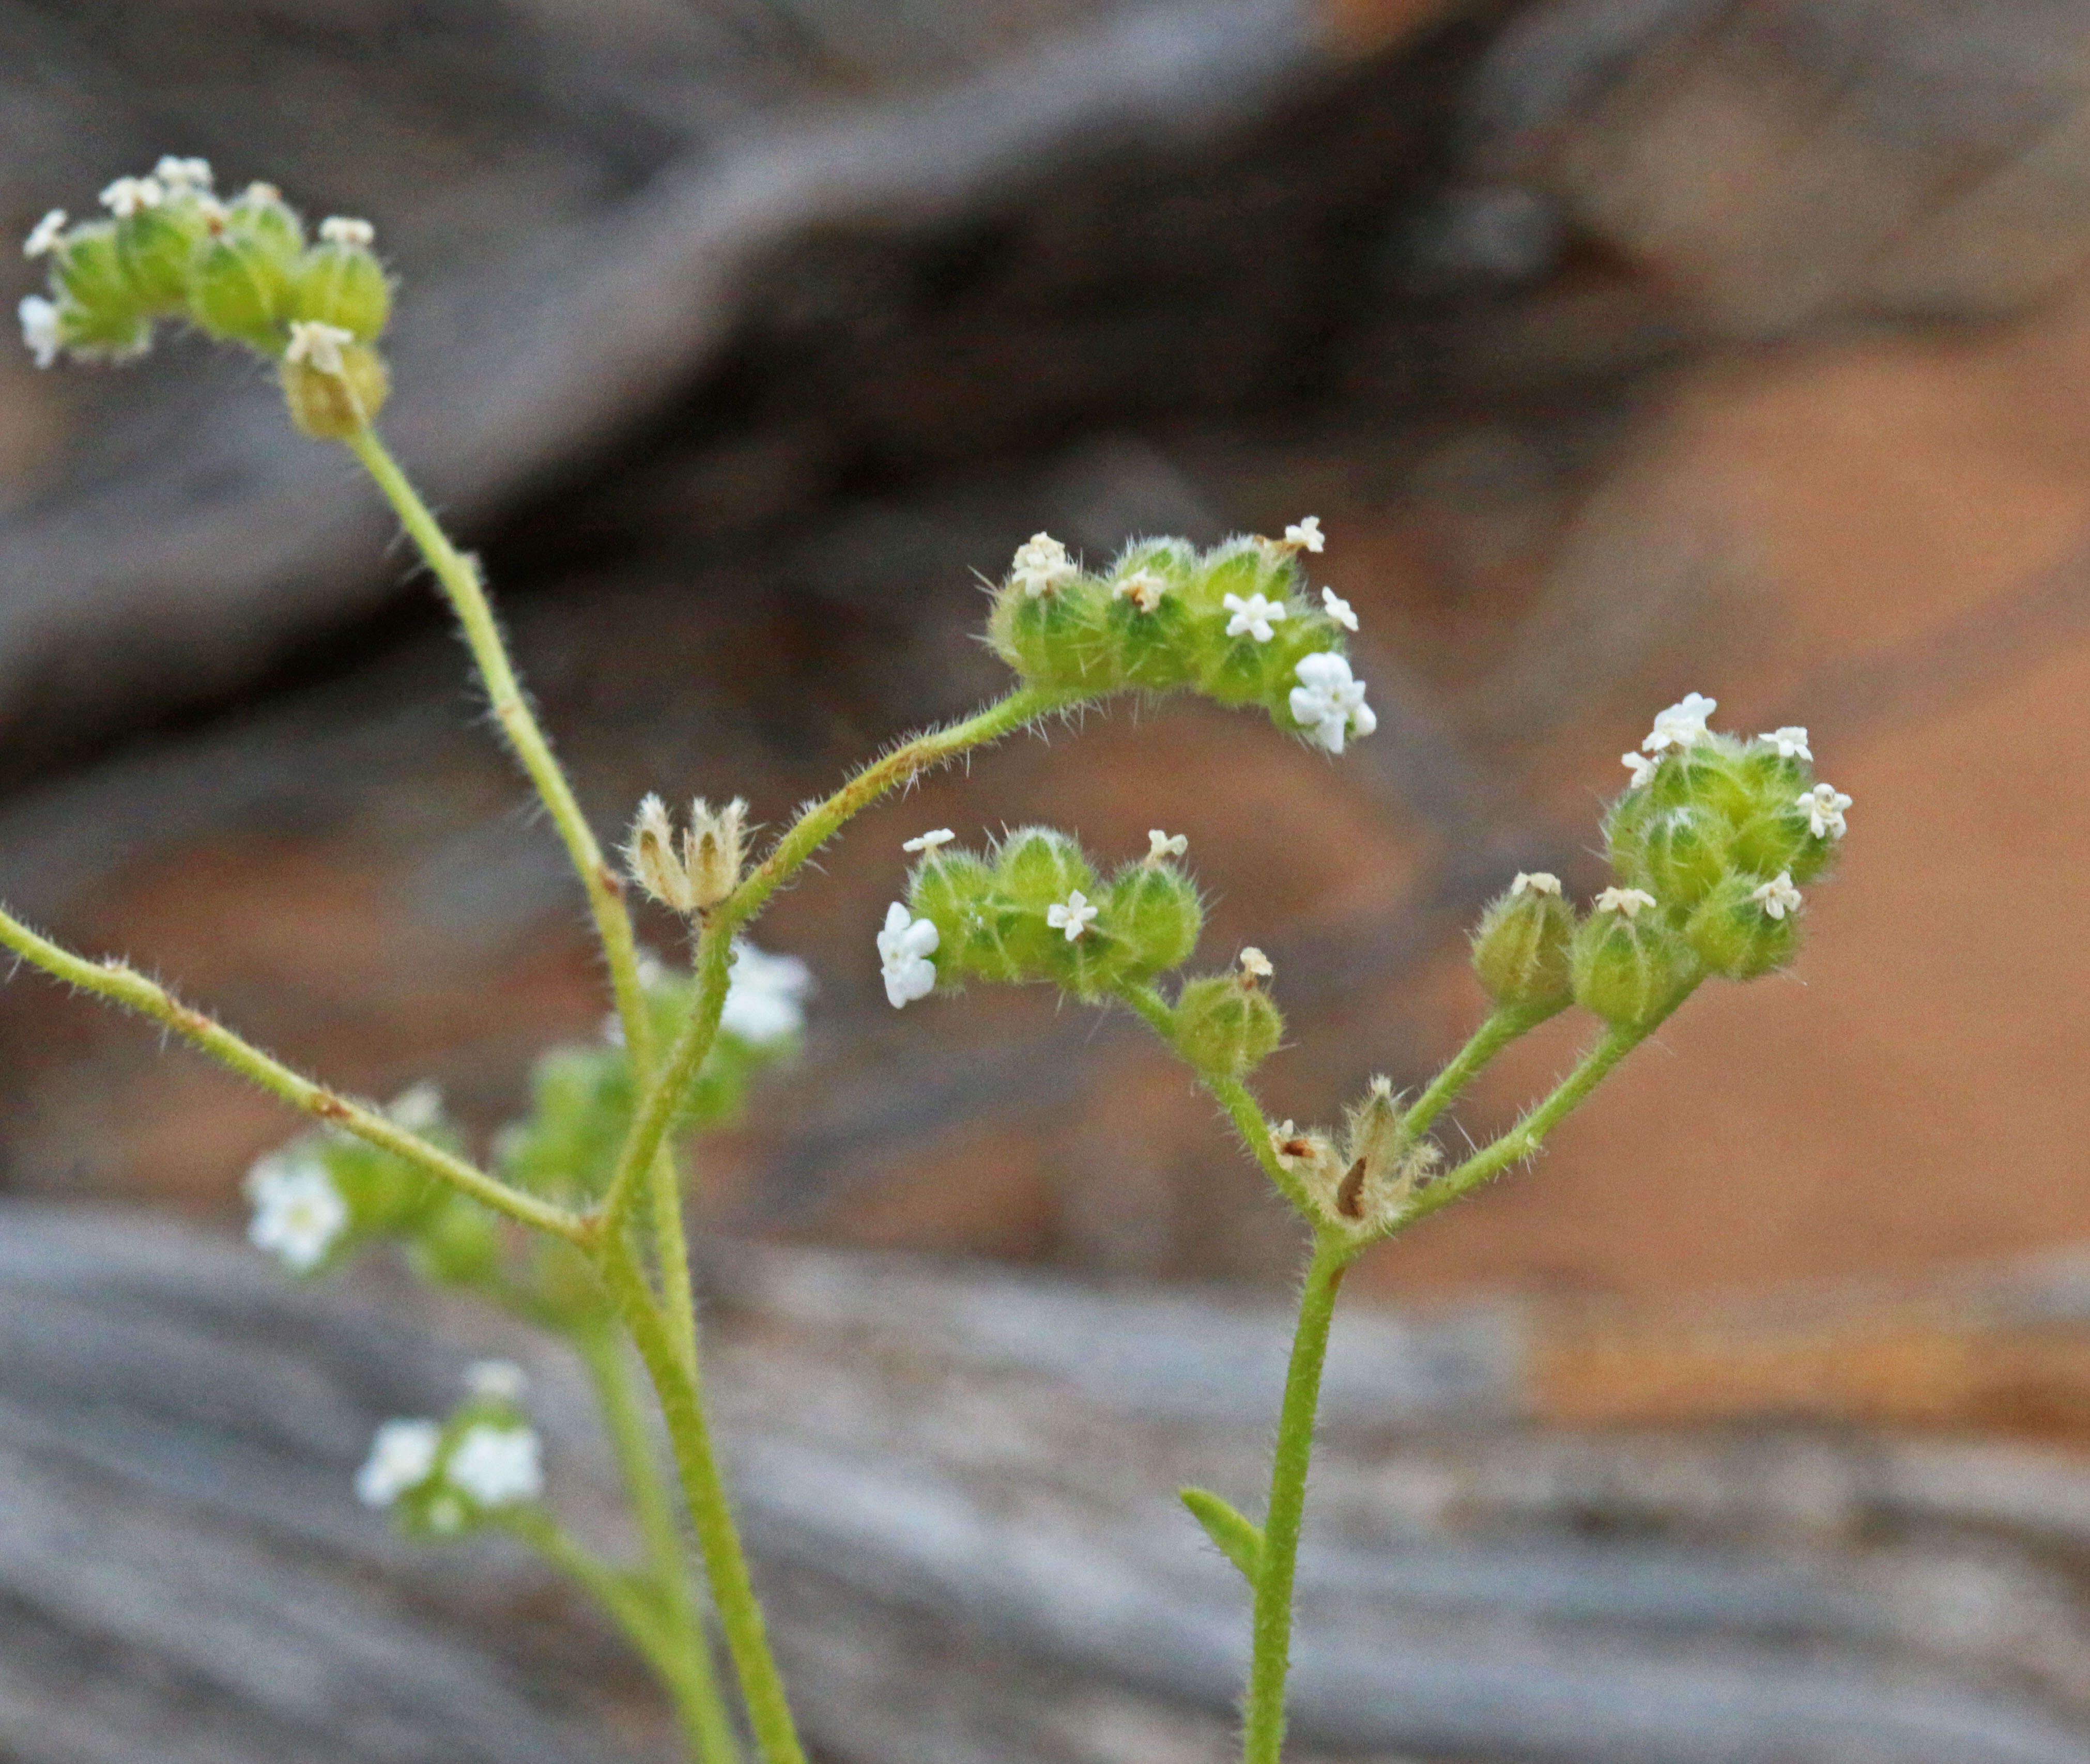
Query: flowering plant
point(574, 1221)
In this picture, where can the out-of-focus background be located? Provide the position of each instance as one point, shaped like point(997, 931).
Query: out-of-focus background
point(1624, 348)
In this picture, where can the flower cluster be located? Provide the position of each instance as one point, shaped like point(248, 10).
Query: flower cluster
point(1235, 623)
point(446, 1477)
point(240, 269)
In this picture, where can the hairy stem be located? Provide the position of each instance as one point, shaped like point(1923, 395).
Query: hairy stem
point(124, 985)
point(1502, 1026)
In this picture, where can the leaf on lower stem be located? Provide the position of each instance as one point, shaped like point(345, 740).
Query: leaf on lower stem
point(1239, 1538)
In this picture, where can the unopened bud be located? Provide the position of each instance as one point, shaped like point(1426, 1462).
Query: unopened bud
point(1684, 852)
point(1520, 948)
point(1153, 912)
point(241, 292)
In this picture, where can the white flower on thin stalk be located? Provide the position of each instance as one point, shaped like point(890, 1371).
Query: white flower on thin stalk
point(1160, 844)
point(1073, 916)
point(1339, 609)
point(1143, 588)
point(1327, 703)
point(317, 344)
point(298, 1211)
point(176, 175)
point(1682, 724)
point(1790, 742)
point(402, 1456)
point(344, 229)
point(1042, 566)
point(1255, 616)
point(129, 195)
point(1254, 965)
point(1825, 806)
point(1306, 535)
point(904, 947)
point(1629, 901)
point(1777, 897)
point(40, 330)
point(1535, 881)
point(765, 996)
point(498, 1467)
point(45, 236)
point(1641, 767)
point(496, 1380)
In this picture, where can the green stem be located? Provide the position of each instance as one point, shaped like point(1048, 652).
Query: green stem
point(671, 1250)
point(459, 578)
point(625, 1596)
point(678, 1385)
point(1262, 1726)
point(122, 984)
point(1502, 1026)
point(689, 1674)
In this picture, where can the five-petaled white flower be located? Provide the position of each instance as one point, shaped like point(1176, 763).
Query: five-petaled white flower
point(1253, 617)
point(1825, 806)
point(1306, 535)
point(126, 196)
point(497, 1466)
point(905, 946)
point(496, 1380)
point(176, 174)
point(1255, 964)
point(1072, 915)
point(1339, 609)
point(1535, 881)
point(298, 1211)
point(1777, 897)
point(765, 996)
point(1682, 724)
point(344, 229)
point(1327, 703)
point(1641, 767)
point(40, 328)
point(1160, 844)
point(317, 344)
point(403, 1456)
point(929, 841)
point(1790, 742)
point(44, 237)
point(1040, 565)
point(1143, 587)
point(1627, 900)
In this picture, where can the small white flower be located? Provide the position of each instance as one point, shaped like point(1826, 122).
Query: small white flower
point(1535, 881)
point(341, 229)
point(1790, 742)
point(1641, 767)
point(1306, 535)
point(402, 1456)
point(317, 344)
point(127, 195)
point(496, 1380)
point(1143, 587)
point(765, 996)
point(905, 946)
point(298, 1211)
point(929, 841)
point(1256, 965)
point(40, 328)
point(1825, 806)
point(1339, 609)
point(1627, 900)
point(1040, 565)
point(44, 237)
point(1254, 617)
point(1327, 703)
point(1072, 915)
point(497, 1465)
point(1682, 724)
point(176, 175)
point(1160, 844)
point(259, 194)
point(1777, 897)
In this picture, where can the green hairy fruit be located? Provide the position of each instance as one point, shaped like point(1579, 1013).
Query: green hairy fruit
point(342, 285)
point(1521, 950)
point(1226, 1024)
point(1734, 933)
point(1630, 968)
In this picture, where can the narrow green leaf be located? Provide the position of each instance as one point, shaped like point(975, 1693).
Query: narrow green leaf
point(1239, 1538)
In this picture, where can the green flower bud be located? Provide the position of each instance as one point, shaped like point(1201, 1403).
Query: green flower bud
point(1153, 916)
point(340, 282)
point(1629, 966)
point(1684, 852)
point(99, 312)
point(259, 215)
point(1746, 926)
point(1061, 637)
point(241, 292)
point(977, 926)
point(332, 404)
point(1521, 950)
point(1227, 1023)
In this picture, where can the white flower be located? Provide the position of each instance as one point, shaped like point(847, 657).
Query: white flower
point(765, 996)
point(127, 195)
point(1627, 900)
point(1143, 587)
point(1306, 535)
point(905, 946)
point(419, 1108)
point(1072, 915)
point(1777, 897)
point(1253, 617)
point(44, 237)
point(402, 1456)
point(1641, 767)
point(1682, 724)
point(182, 175)
point(340, 229)
point(1040, 565)
point(40, 328)
point(496, 1380)
point(497, 1465)
point(1790, 742)
point(929, 841)
point(1327, 703)
point(1160, 844)
point(298, 1211)
point(317, 344)
point(1257, 966)
point(1825, 806)
point(1535, 881)
point(1339, 609)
